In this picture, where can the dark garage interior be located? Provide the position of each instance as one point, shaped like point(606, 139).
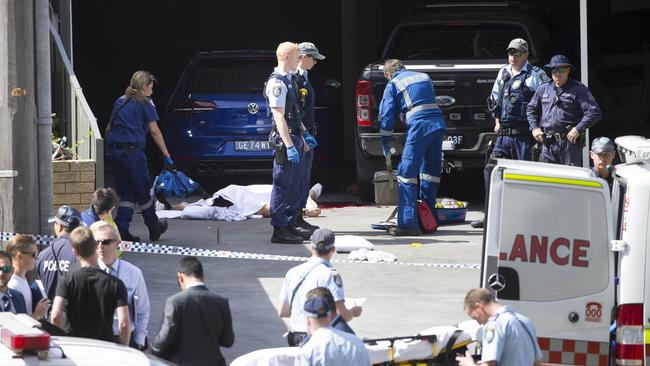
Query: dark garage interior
point(112, 39)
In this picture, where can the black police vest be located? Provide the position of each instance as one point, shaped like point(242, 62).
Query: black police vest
point(516, 96)
point(307, 98)
point(292, 111)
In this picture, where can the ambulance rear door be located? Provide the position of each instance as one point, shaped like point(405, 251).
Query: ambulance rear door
point(547, 255)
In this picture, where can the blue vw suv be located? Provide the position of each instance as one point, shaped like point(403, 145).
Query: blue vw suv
point(217, 121)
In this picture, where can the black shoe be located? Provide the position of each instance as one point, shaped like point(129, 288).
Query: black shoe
point(282, 235)
point(156, 231)
point(478, 224)
point(126, 235)
point(300, 221)
point(397, 231)
point(300, 231)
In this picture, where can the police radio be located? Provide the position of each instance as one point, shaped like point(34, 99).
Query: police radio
point(303, 96)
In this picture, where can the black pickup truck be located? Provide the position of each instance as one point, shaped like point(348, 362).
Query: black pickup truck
point(461, 48)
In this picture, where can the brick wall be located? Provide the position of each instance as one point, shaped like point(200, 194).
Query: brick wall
point(74, 183)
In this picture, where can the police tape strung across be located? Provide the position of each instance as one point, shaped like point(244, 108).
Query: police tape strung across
point(127, 246)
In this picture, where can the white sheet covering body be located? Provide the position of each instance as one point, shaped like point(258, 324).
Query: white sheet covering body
point(247, 200)
point(284, 356)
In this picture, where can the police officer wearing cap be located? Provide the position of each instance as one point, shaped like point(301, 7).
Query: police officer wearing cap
point(602, 153)
point(316, 272)
point(410, 95)
point(54, 261)
point(329, 346)
point(282, 94)
point(308, 57)
point(513, 88)
point(508, 339)
point(133, 116)
point(559, 114)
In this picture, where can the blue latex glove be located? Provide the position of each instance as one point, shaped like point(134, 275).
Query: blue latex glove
point(292, 154)
point(311, 140)
point(385, 143)
point(169, 164)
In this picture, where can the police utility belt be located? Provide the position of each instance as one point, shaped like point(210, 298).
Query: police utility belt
point(551, 138)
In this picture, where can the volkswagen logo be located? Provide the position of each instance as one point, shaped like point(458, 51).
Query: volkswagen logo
point(446, 101)
point(496, 282)
point(253, 108)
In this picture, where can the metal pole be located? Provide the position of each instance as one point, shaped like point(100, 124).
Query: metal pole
point(584, 70)
point(43, 111)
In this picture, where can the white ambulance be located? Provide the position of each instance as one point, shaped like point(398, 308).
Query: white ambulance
point(559, 250)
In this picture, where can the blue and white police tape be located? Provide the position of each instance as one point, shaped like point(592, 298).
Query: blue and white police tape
point(136, 247)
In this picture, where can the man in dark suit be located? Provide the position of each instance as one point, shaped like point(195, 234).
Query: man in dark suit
point(10, 300)
point(196, 321)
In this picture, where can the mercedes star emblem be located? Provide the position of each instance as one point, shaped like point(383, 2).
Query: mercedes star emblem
point(253, 108)
point(496, 282)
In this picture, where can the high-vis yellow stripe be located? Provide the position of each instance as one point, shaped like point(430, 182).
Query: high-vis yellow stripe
point(565, 181)
point(646, 336)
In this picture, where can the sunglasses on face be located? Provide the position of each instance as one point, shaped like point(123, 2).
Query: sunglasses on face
point(5, 269)
point(107, 241)
point(558, 70)
point(32, 254)
point(515, 53)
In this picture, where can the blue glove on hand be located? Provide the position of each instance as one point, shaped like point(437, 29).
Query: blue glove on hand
point(385, 143)
point(311, 140)
point(169, 164)
point(292, 154)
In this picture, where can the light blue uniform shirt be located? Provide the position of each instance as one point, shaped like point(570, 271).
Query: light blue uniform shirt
point(510, 339)
point(136, 289)
point(276, 90)
point(319, 273)
point(328, 346)
point(533, 81)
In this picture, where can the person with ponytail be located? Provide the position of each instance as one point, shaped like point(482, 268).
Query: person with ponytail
point(134, 115)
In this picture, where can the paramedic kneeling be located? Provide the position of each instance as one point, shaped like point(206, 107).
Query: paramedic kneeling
point(509, 338)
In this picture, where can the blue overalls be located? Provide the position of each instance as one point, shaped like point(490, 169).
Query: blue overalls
point(557, 110)
point(510, 95)
point(411, 94)
point(126, 142)
point(287, 177)
point(307, 100)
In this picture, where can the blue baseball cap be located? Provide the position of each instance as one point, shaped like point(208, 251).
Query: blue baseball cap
point(602, 144)
point(67, 216)
point(323, 239)
point(316, 308)
point(559, 61)
point(309, 49)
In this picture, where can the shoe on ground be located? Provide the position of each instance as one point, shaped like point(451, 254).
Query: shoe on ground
point(478, 224)
point(127, 236)
point(300, 221)
point(158, 229)
point(397, 231)
point(300, 231)
point(282, 235)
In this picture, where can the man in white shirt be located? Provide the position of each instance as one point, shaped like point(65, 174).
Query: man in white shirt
point(107, 239)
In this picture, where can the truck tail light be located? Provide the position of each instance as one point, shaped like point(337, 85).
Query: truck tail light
point(630, 335)
point(364, 103)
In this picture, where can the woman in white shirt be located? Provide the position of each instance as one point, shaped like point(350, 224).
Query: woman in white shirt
point(22, 249)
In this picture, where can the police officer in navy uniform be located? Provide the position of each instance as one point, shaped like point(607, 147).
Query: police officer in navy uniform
point(509, 338)
point(410, 96)
point(283, 97)
point(513, 88)
point(602, 153)
point(134, 114)
point(560, 112)
point(309, 56)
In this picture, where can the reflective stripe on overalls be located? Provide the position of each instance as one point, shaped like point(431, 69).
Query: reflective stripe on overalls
point(403, 83)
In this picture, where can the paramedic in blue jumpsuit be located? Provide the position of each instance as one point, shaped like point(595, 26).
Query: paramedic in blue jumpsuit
point(284, 101)
point(559, 113)
point(411, 96)
point(309, 56)
point(514, 86)
point(133, 115)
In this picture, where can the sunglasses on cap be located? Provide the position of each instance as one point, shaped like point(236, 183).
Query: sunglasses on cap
point(514, 52)
point(558, 70)
point(6, 269)
point(107, 241)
